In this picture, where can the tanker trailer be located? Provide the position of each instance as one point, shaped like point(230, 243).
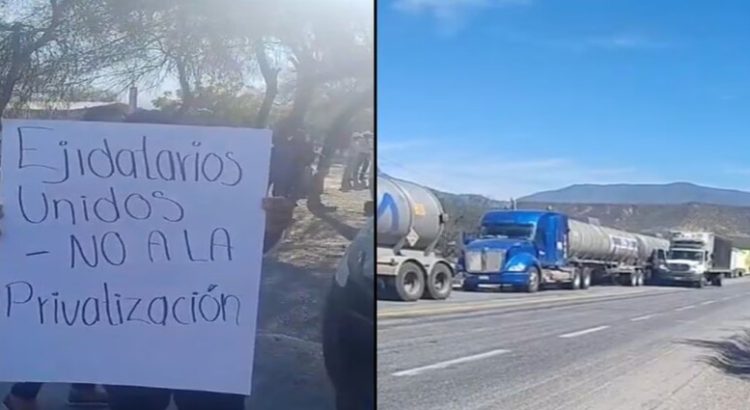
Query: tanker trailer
point(410, 222)
point(531, 249)
point(653, 250)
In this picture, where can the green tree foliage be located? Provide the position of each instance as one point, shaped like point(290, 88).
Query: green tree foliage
point(283, 64)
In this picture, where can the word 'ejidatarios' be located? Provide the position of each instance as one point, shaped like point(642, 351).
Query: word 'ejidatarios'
point(135, 163)
point(115, 309)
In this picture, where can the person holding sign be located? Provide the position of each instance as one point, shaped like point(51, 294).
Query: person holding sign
point(160, 270)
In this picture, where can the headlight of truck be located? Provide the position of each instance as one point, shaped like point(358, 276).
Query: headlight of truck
point(516, 267)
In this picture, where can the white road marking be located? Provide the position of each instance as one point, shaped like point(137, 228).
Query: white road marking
point(680, 309)
point(639, 318)
point(583, 332)
point(708, 302)
point(447, 363)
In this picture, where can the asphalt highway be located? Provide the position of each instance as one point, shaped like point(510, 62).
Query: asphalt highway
point(642, 348)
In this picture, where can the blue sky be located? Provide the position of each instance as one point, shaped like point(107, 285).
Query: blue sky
point(509, 97)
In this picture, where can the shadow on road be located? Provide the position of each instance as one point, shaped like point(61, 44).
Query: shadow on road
point(732, 355)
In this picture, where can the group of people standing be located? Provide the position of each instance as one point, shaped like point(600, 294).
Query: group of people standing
point(358, 160)
point(296, 148)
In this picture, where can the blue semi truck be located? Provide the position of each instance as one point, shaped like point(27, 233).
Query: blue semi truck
point(532, 249)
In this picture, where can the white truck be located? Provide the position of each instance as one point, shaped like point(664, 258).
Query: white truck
point(697, 258)
point(739, 262)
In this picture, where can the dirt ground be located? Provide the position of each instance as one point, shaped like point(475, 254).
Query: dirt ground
point(289, 370)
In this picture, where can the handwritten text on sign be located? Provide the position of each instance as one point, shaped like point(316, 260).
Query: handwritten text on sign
point(131, 253)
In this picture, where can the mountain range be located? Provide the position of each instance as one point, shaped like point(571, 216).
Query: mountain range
point(674, 193)
point(648, 209)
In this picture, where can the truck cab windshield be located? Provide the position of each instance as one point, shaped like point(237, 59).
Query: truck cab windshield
point(515, 231)
point(686, 255)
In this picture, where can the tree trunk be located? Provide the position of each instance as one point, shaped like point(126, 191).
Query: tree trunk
point(13, 74)
point(334, 140)
point(271, 78)
point(185, 89)
point(303, 97)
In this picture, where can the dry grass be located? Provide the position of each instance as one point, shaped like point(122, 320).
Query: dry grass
point(297, 275)
point(312, 243)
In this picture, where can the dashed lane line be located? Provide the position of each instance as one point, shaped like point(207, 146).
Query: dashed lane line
point(448, 363)
point(583, 332)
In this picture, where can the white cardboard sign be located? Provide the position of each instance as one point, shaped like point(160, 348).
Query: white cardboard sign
point(130, 254)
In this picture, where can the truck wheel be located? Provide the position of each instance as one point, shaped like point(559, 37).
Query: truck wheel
point(409, 282)
point(698, 284)
point(586, 278)
point(439, 282)
point(716, 281)
point(575, 284)
point(534, 280)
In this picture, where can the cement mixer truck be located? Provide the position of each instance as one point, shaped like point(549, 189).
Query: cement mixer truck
point(410, 222)
point(532, 249)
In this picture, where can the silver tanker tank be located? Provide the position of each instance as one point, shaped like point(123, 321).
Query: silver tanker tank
point(649, 244)
point(594, 242)
point(590, 242)
point(416, 217)
point(410, 222)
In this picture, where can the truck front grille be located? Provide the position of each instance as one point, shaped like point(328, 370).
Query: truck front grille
point(679, 267)
point(484, 261)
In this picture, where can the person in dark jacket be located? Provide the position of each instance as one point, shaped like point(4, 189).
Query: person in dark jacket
point(281, 174)
point(300, 166)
